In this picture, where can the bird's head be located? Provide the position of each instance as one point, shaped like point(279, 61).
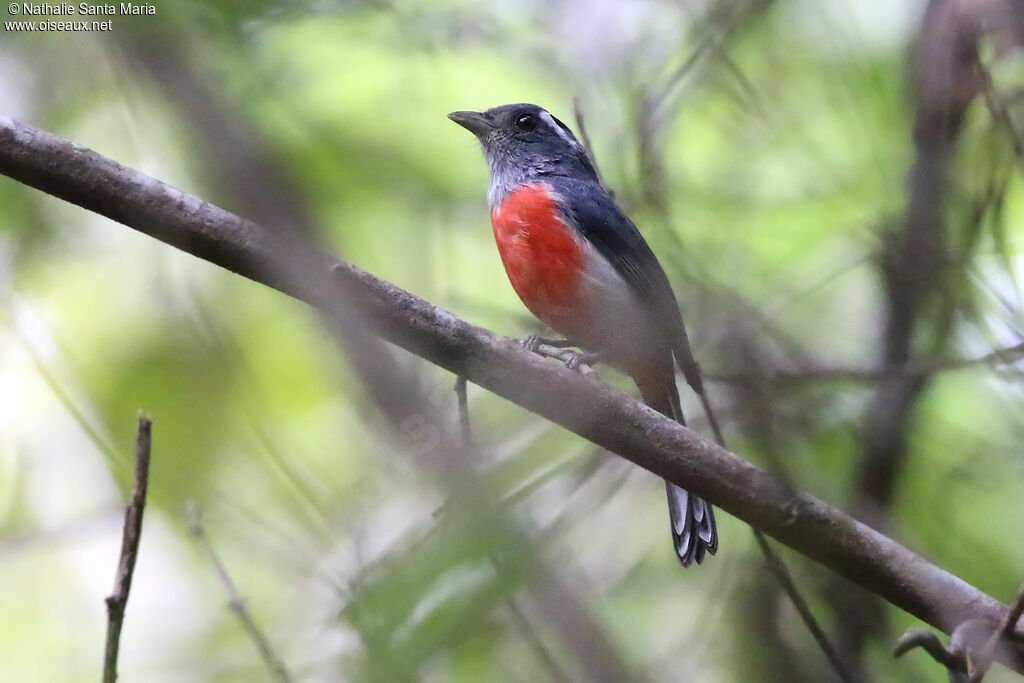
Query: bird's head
point(524, 142)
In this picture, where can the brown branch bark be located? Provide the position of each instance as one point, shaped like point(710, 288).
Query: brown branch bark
point(594, 411)
point(130, 537)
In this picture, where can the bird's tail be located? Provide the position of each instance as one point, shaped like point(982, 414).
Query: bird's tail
point(692, 518)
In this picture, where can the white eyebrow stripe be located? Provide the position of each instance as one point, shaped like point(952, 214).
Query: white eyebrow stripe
point(550, 120)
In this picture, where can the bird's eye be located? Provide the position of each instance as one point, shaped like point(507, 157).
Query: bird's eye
point(526, 122)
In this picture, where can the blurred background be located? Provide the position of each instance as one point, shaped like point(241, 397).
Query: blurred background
point(852, 290)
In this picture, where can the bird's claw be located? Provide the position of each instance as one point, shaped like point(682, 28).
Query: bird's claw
point(578, 359)
point(534, 340)
point(573, 360)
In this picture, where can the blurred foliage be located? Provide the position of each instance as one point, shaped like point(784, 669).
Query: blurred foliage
point(762, 147)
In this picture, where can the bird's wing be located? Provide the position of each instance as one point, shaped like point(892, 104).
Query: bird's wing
point(616, 238)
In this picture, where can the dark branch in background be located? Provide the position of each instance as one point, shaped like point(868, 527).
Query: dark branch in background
point(914, 258)
point(914, 266)
point(594, 411)
point(240, 163)
point(235, 600)
point(118, 600)
point(1007, 356)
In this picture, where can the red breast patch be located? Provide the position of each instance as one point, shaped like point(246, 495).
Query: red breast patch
point(543, 258)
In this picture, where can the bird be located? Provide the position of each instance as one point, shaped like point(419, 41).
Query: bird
point(581, 266)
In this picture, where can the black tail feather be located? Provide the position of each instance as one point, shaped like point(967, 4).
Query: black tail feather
point(692, 518)
point(693, 525)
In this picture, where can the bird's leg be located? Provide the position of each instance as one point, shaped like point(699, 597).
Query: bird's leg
point(575, 360)
point(533, 341)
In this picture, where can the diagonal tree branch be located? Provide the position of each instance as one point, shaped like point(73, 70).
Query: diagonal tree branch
point(592, 410)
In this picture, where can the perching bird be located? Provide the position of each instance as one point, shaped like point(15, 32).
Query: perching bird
point(582, 267)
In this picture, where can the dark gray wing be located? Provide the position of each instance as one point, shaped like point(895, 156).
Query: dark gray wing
point(617, 239)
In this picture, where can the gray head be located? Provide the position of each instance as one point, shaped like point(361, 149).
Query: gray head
point(524, 143)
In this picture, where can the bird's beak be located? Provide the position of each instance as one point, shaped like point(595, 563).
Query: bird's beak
point(473, 121)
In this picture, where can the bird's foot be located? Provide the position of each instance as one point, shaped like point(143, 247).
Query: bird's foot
point(577, 360)
point(580, 361)
point(532, 343)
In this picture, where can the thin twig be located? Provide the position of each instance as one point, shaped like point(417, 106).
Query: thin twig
point(460, 393)
point(1004, 356)
point(540, 649)
point(527, 630)
point(577, 110)
point(998, 110)
point(235, 600)
point(118, 600)
point(779, 570)
point(781, 573)
point(986, 655)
